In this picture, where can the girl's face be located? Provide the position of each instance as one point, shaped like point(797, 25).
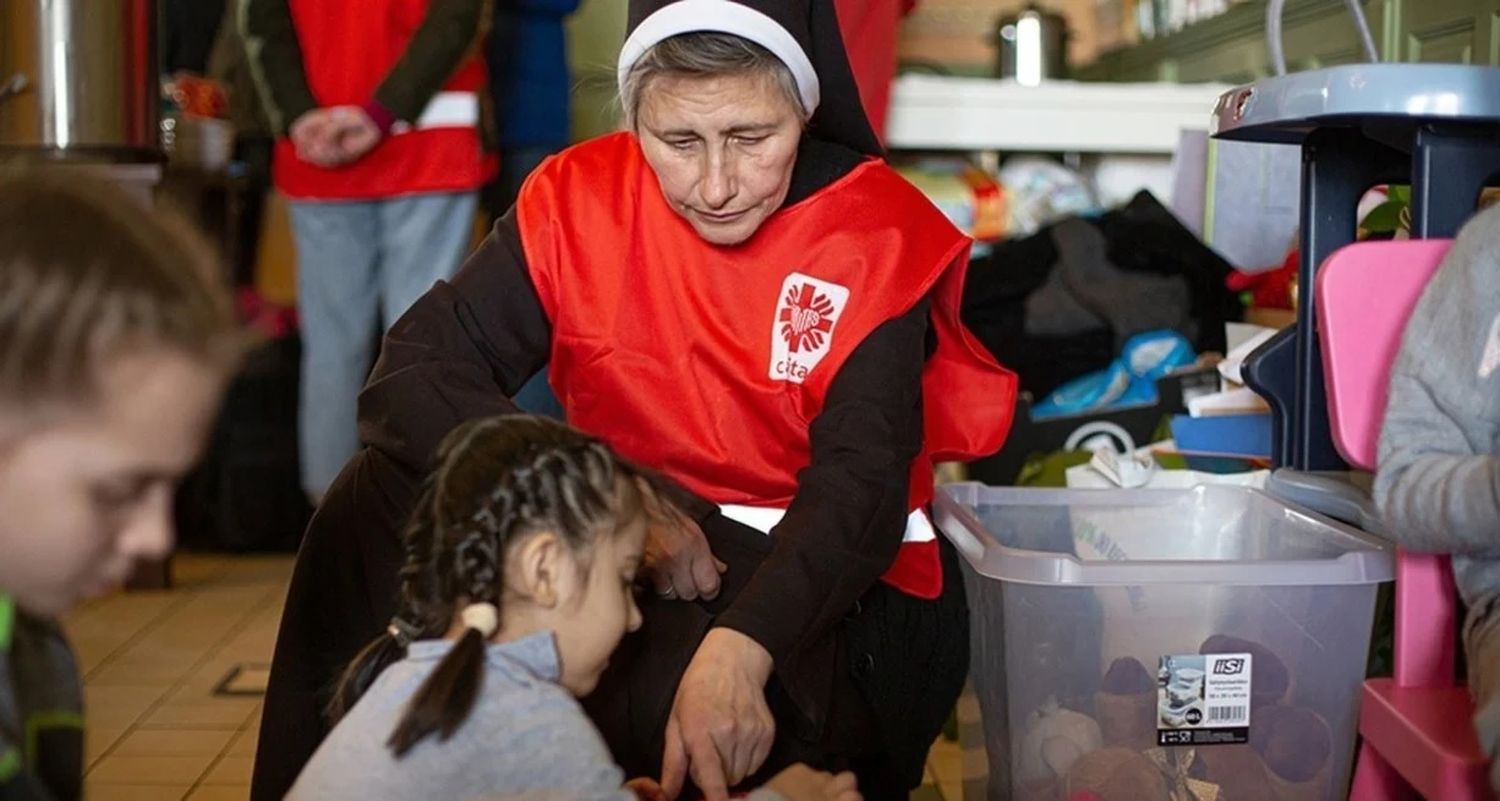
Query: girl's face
point(87, 494)
point(597, 607)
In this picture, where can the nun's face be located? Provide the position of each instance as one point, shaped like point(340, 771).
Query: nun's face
point(723, 149)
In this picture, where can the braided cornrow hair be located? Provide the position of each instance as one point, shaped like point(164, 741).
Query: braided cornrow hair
point(496, 481)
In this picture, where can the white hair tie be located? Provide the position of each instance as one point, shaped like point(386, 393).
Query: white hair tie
point(484, 618)
point(403, 632)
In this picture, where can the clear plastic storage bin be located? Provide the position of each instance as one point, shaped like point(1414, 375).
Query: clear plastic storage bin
point(1150, 644)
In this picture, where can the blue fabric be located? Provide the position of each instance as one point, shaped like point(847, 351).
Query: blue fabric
point(360, 265)
point(516, 163)
point(528, 62)
point(1128, 381)
point(537, 397)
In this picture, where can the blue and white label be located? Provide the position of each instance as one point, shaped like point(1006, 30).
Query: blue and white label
point(1203, 699)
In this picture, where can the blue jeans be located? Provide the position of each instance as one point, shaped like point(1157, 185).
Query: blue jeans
point(361, 265)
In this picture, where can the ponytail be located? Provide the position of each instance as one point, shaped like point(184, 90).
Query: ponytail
point(386, 650)
point(495, 481)
point(445, 699)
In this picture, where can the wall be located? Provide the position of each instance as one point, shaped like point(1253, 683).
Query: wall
point(1317, 33)
point(595, 33)
point(958, 35)
point(955, 35)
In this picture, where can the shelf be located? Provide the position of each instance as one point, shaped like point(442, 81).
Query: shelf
point(974, 114)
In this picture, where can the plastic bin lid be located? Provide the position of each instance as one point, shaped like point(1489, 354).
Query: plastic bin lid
point(1205, 535)
point(1286, 109)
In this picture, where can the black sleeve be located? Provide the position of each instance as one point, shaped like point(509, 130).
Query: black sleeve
point(447, 34)
point(842, 531)
point(460, 352)
point(275, 58)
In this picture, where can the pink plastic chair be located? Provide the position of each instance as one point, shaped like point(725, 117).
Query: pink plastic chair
point(1416, 726)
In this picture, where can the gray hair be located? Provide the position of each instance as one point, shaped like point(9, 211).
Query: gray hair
point(704, 54)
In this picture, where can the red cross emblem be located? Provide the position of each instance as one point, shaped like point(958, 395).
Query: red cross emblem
point(806, 317)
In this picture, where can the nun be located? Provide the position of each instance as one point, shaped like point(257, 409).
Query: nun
point(737, 292)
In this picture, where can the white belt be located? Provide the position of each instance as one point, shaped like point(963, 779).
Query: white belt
point(765, 518)
point(450, 110)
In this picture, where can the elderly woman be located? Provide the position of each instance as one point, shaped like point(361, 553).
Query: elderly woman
point(737, 292)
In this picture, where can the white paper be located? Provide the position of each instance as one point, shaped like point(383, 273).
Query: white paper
point(1234, 361)
point(1239, 400)
point(1254, 201)
point(1190, 180)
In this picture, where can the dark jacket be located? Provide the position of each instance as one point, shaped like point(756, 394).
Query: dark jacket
point(530, 84)
point(41, 711)
point(864, 675)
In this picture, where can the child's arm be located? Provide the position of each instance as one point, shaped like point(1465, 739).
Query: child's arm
point(1438, 485)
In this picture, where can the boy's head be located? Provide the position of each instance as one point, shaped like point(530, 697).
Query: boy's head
point(117, 335)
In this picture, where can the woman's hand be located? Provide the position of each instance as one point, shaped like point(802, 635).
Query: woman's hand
point(801, 783)
point(315, 134)
point(332, 137)
point(357, 134)
point(677, 556)
point(720, 729)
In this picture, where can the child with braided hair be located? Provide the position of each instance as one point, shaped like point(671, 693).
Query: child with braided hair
point(518, 583)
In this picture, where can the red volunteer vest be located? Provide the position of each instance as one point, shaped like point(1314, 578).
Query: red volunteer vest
point(709, 363)
point(348, 47)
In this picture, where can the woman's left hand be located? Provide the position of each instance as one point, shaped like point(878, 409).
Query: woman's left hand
point(720, 729)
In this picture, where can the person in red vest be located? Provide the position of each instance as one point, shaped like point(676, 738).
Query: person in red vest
point(736, 292)
point(870, 27)
point(377, 108)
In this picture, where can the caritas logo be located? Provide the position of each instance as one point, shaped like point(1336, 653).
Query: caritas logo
point(803, 327)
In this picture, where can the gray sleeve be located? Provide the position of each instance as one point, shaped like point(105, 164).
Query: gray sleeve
point(553, 726)
point(1438, 484)
point(589, 772)
point(567, 794)
point(621, 795)
point(564, 794)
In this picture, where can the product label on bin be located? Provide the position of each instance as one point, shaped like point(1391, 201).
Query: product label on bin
point(1203, 699)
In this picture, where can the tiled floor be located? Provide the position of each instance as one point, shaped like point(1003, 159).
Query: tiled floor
point(151, 661)
point(158, 731)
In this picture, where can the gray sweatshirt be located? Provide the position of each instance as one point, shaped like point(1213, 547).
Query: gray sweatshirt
point(1438, 486)
point(527, 739)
